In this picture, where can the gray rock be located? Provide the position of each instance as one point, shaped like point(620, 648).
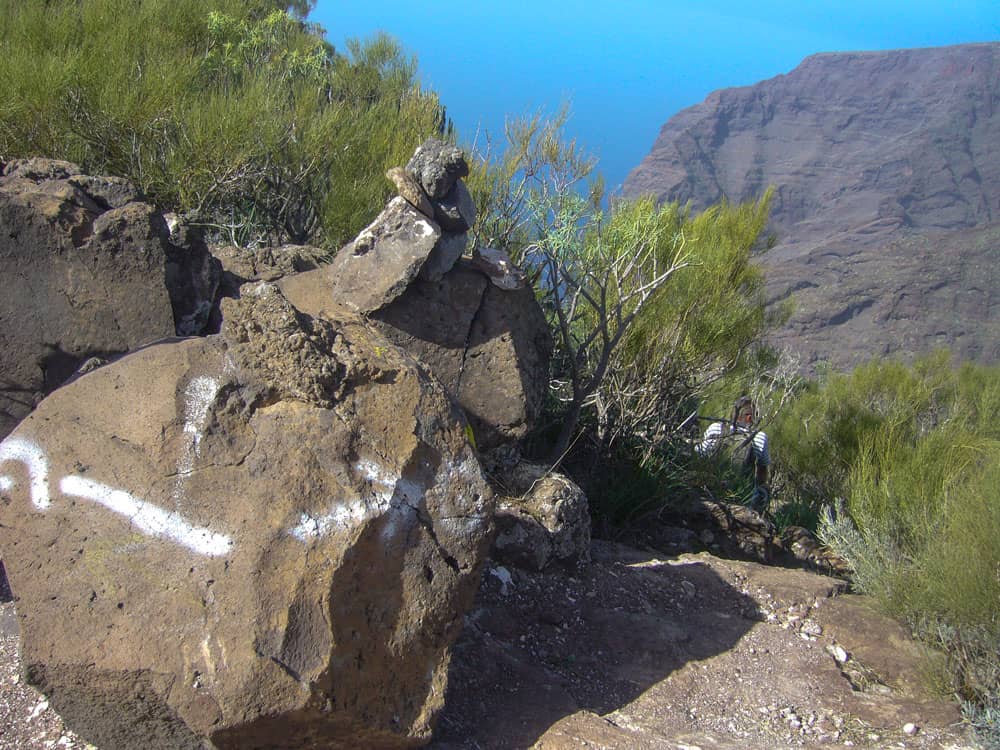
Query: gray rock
point(275, 542)
point(736, 530)
point(456, 212)
point(38, 169)
point(437, 166)
point(542, 518)
point(408, 188)
point(107, 192)
point(499, 268)
point(386, 256)
point(505, 376)
point(443, 257)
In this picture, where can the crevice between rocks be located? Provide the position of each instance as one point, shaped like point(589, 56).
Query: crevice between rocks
point(468, 336)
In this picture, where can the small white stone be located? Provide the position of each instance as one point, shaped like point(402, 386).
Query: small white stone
point(910, 728)
point(42, 705)
point(838, 653)
point(812, 627)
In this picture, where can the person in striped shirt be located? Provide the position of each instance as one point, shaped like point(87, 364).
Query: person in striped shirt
point(747, 442)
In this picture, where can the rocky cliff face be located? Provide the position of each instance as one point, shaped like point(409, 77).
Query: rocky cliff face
point(887, 195)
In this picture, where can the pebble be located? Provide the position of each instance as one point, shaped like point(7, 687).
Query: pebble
point(811, 627)
point(42, 705)
point(910, 728)
point(838, 653)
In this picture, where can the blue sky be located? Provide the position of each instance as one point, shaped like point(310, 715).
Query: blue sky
point(624, 68)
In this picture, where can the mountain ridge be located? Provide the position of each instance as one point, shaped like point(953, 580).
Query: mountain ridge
point(867, 152)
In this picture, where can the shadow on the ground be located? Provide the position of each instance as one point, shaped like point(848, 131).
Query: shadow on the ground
point(594, 639)
point(5, 593)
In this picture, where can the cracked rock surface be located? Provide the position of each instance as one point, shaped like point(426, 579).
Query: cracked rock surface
point(274, 543)
point(89, 270)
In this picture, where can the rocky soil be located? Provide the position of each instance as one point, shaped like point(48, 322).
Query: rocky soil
point(641, 650)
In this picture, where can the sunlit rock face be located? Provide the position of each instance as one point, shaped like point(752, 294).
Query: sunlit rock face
point(886, 208)
point(89, 270)
point(262, 538)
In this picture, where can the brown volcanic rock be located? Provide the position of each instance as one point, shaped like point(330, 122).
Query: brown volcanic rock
point(272, 547)
point(87, 271)
point(489, 347)
point(869, 153)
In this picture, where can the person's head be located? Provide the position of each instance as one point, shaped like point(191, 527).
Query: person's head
point(744, 411)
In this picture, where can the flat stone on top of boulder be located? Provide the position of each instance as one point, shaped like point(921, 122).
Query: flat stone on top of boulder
point(273, 546)
point(408, 187)
point(386, 256)
point(437, 165)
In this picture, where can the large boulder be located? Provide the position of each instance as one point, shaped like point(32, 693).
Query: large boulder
point(273, 545)
point(472, 321)
point(489, 347)
point(88, 270)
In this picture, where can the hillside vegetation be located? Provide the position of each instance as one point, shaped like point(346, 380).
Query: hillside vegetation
point(235, 112)
point(903, 465)
point(240, 115)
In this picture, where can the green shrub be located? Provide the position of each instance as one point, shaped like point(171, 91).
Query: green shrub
point(233, 111)
point(907, 461)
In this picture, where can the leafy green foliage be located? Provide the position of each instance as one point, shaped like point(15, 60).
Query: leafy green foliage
point(233, 111)
point(650, 306)
point(906, 460)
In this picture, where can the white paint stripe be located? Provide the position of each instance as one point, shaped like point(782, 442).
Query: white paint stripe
point(147, 517)
point(198, 397)
point(375, 473)
point(16, 449)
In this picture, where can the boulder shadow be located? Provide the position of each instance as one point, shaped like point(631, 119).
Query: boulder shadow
point(549, 645)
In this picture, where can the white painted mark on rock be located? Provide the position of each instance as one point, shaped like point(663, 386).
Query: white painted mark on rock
point(198, 398)
point(148, 518)
point(16, 449)
point(392, 493)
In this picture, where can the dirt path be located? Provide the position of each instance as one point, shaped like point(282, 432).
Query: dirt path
point(637, 651)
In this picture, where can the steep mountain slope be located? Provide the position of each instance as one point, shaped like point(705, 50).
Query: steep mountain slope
point(886, 168)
